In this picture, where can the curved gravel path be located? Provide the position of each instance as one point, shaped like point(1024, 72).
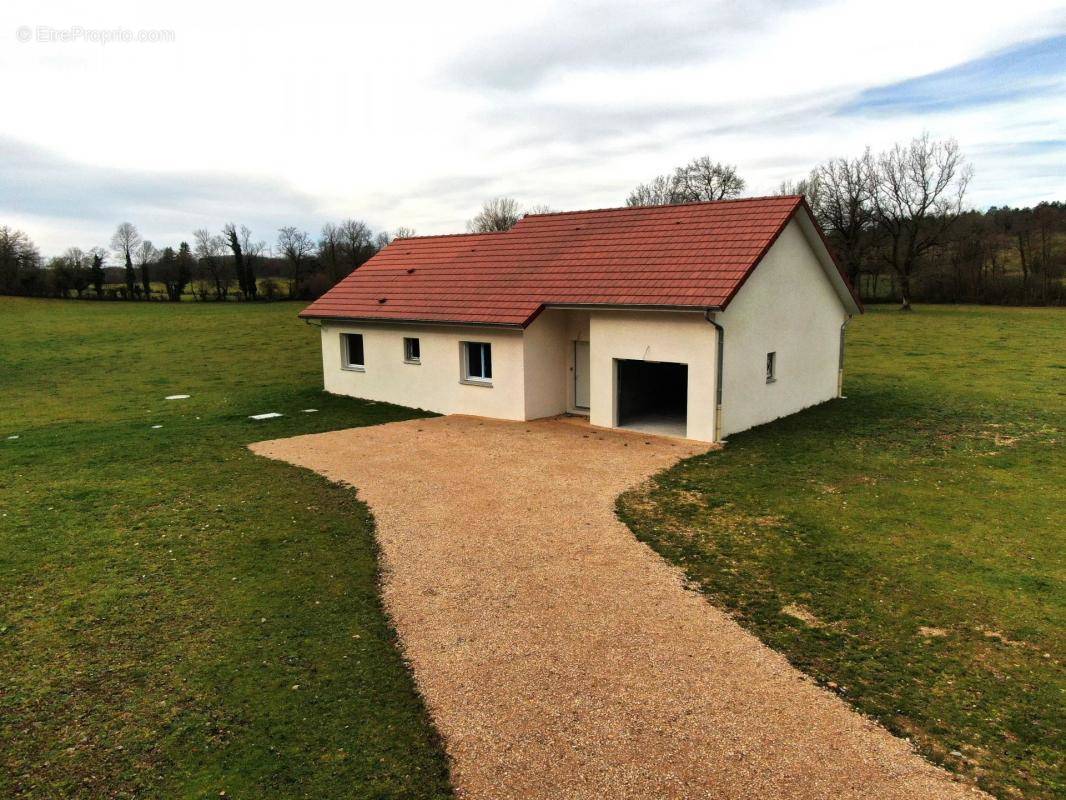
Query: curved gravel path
point(560, 657)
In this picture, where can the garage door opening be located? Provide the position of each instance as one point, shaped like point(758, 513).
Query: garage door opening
point(653, 396)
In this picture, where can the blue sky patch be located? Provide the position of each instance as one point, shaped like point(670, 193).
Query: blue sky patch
point(1024, 71)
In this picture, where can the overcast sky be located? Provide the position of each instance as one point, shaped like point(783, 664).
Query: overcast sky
point(411, 114)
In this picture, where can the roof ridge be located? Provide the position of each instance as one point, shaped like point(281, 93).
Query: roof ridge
point(795, 197)
point(448, 235)
point(608, 258)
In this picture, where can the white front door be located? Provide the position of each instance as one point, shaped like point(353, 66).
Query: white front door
point(581, 374)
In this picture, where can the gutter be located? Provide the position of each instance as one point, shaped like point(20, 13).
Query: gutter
point(840, 363)
point(720, 357)
point(317, 320)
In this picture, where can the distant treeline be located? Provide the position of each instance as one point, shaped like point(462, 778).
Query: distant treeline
point(897, 225)
point(229, 265)
point(895, 221)
point(1003, 256)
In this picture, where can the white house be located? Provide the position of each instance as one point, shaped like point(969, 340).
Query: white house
point(697, 320)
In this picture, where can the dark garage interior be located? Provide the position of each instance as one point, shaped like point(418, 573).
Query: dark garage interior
point(652, 396)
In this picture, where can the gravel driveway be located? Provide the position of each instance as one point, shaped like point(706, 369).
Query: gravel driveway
point(560, 657)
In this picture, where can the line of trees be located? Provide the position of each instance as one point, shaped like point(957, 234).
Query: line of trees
point(898, 225)
point(896, 221)
point(229, 265)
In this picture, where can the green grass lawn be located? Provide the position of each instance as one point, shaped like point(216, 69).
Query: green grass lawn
point(905, 545)
point(179, 618)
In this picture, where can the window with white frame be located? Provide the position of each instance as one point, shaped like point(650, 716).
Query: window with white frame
point(477, 362)
point(352, 351)
point(771, 367)
point(412, 351)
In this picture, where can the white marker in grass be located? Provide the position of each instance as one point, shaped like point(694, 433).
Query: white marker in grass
point(177, 397)
point(269, 415)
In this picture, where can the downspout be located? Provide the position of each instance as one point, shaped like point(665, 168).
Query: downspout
point(840, 363)
point(718, 375)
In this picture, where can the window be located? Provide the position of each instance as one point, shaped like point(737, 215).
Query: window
point(352, 351)
point(412, 352)
point(771, 367)
point(477, 362)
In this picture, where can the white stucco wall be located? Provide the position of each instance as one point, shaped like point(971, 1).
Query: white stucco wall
point(549, 361)
point(789, 306)
point(546, 364)
point(434, 384)
point(680, 337)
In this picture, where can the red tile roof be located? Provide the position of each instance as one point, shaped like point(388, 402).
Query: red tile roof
point(695, 255)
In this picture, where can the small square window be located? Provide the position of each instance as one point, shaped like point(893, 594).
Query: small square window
point(771, 367)
point(352, 351)
point(412, 352)
point(477, 362)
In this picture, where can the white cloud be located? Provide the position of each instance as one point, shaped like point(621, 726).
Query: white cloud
point(411, 113)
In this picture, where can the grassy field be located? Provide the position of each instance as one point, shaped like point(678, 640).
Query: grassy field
point(905, 545)
point(179, 618)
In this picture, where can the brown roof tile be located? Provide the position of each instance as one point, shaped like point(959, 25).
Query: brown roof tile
point(694, 255)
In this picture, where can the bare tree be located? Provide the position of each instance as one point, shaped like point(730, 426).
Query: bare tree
point(357, 243)
point(246, 253)
point(77, 269)
point(538, 208)
point(810, 187)
point(699, 180)
point(76, 256)
point(146, 254)
point(124, 242)
point(497, 214)
point(918, 195)
point(19, 262)
point(298, 248)
point(844, 206)
point(330, 254)
point(210, 252)
point(658, 191)
point(253, 252)
point(1049, 225)
point(60, 276)
point(404, 233)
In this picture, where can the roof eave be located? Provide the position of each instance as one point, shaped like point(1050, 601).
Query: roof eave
point(409, 321)
point(694, 308)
